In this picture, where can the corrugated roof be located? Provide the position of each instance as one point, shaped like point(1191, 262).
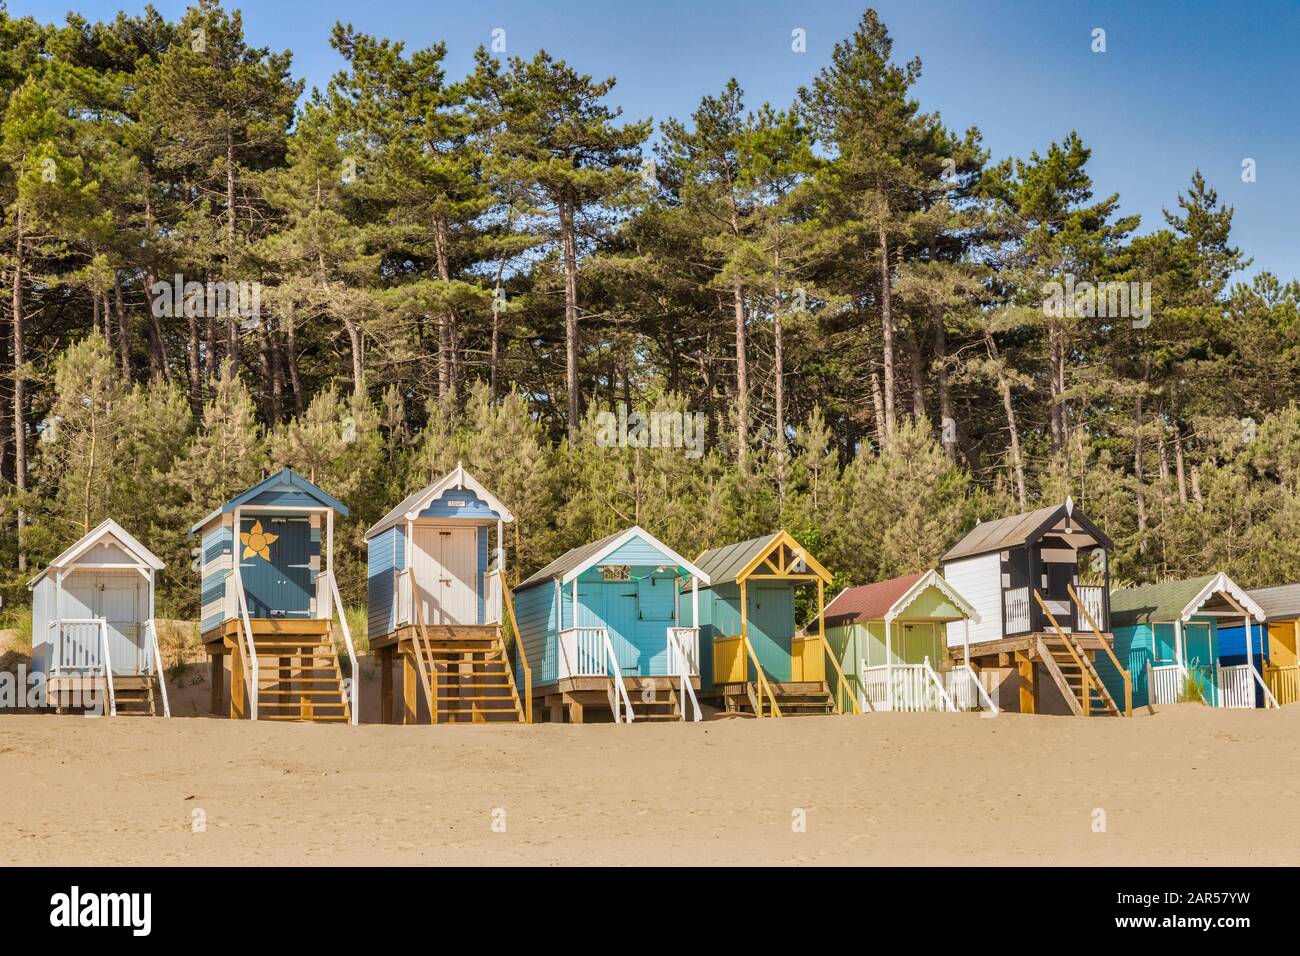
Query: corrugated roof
point(868, 602)
point(1155, 603)
point(1279, 603)
point(568, 561)
point(723, 564)
point(1001, 533)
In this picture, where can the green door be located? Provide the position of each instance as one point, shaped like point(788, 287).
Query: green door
point(1202, 658)
point(771, 625)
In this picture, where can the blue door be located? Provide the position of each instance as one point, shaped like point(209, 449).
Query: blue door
point(275, 563)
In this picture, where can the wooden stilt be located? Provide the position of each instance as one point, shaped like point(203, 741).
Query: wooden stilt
point(410, 681)
point(575, 711)
point(238, 690)
point(1028, 692)
point(386, 685)
point(217, 682)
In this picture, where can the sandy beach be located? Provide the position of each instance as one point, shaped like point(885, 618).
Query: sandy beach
point(1188, 785)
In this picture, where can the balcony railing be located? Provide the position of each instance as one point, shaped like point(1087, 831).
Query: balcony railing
point(1016, 611)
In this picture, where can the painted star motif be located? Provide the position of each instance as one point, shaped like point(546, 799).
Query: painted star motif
point(258, 542)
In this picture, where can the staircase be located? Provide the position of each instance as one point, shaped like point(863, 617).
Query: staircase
point(299, 674)
point(138, 696)
point(802, 699)
point(654, 699)
point(1072, 669)
point(466, 674)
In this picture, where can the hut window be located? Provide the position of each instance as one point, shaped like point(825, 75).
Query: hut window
point(616, 572)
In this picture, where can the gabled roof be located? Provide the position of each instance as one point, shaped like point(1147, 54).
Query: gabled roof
point(576, 560)
point(108, 529)
point(1026, 528)
point(411, 506)
point(888, 599)
point(285, 476)
point(1171, 601)
point(734, 562)
point(1279, 603)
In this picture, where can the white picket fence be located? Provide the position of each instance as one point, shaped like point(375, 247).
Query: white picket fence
point(1236, 686)
point(919, 687)
point(1166, 683)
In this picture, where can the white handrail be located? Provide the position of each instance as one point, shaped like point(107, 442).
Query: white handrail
point(617, 674)
point(158, 668)
point(108, 668)
point(683, 673)
point(938, 685)
point(337, 602)
point(250, 650)
point(988, 699)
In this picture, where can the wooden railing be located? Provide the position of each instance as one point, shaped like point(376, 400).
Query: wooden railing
point(1105, 646)
point(1284, 682)
point(510, 637)
point(679, 661)
point(764, 689)
point(843, 689)
point(354, 681)
point(684, 645)
point(1165, 683)
point(964, 687)
point(909, 688)
point(158, 667)
point(1236, 688)
point(1090, 602)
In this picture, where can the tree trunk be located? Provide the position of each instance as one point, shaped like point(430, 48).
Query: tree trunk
point(123, 340)
point(887, 331)
point(1137, 465)
point(291, 360)
point(358, 357)
point(446, 316)
point(20, 391)
point(157, 347)
point(947, 418)
point(878, 408)
point(917, 362)
point(742, 376)
point(232, 323)
point(1180, 464)
point(569, 244)
point(1004, 390)
point(778, 373)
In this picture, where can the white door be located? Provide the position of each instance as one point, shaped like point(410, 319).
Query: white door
point(119, 604)
point(444, 562)
point(118, 599)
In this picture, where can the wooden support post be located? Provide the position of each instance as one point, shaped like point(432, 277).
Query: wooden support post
point(217, 682)
point(575, 711)
point(1028, 692)
point(557, 709)
point(410, 696)
point(386, 685)
point(238, 689)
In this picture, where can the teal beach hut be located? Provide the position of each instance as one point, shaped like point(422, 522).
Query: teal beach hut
point(611, 628)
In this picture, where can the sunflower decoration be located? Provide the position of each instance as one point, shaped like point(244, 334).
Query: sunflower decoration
point(257, 542)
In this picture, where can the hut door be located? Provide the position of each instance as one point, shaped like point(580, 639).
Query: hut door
point(275, 563)
point(119, 604)
point(1201, 658)
point(445, 563)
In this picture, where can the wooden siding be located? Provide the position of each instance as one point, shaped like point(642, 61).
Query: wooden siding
point(386, 554)
point(637, 551)
point(771, 625)
point(536, 613)
point(460, 503)
point(979, 581)
point(215, 602)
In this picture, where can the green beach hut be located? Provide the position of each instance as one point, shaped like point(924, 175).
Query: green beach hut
point(891, 638)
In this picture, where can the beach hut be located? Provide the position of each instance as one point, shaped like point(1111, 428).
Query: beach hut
point(1169, 636)
point(1281, 606)
point(268, 600)
point(1039, 583)
point(436, 573)
point(754, 662)
point(93, 632)
point(891, 639)
point(606, 627)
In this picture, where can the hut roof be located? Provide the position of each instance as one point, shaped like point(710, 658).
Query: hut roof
point(284, 478)
point(417, 501)
point(576, 560)
point(108, 529)
point(1280, 603)
point(1171, 601)
point(873, 602)
point(1026, 528)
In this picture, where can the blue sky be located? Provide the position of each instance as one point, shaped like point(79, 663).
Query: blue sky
point(1183, 84)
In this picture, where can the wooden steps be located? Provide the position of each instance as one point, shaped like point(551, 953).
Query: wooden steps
point(138, 696)
point(801, 699)
point(1071, 668)
point(300, 675)
point(653, 699)
point(466, 674)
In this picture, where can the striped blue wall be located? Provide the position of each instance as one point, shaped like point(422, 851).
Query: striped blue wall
point(387, 553)
point(216, 566)
point(637, 551)
point(283, 496)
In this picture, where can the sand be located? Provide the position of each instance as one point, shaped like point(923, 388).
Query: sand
point(1188, 785)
